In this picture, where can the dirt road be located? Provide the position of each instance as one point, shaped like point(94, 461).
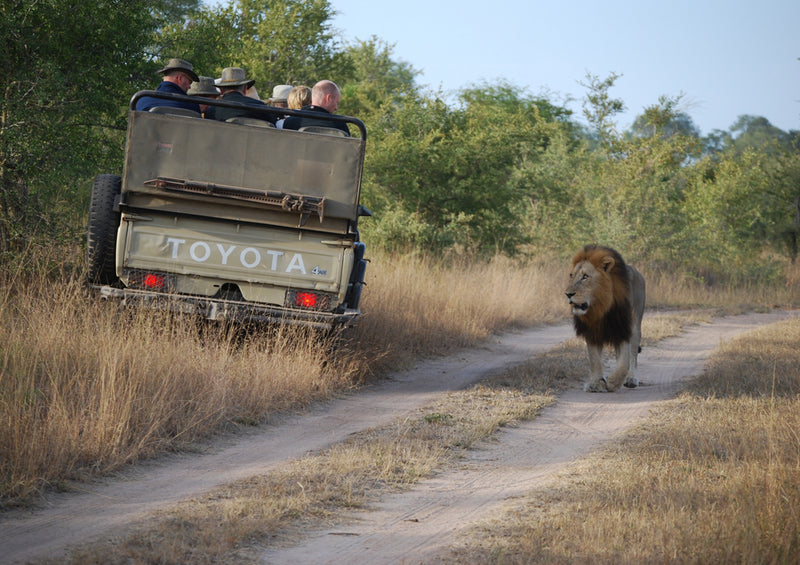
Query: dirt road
point(409, 528)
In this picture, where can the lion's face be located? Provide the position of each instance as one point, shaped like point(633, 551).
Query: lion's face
point(582, 287)
point(590, 288)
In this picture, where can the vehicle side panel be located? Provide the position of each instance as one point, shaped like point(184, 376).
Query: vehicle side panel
point(266, 159)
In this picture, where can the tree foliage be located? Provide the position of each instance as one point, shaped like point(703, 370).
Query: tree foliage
point(452, 168)
point(376, 81)
point(275, 41)
point(599, 108)
point(665, 119)
point(68, 71)
point(491, 169)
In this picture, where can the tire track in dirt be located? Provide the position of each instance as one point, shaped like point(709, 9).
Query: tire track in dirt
point(110, 505)
point(419, 525)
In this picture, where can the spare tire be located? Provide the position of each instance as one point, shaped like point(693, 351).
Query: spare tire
point(101, 238)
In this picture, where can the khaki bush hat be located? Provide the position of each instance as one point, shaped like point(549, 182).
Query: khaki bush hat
point(203, 87)
point(179, 65)
point(233, 76)
point(280, 93)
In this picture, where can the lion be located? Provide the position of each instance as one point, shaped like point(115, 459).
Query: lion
point(607, 298)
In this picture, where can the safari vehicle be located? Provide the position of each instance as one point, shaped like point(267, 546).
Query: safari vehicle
point(232, 221)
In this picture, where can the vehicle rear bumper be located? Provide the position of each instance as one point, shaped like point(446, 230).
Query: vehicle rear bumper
point(218, 309)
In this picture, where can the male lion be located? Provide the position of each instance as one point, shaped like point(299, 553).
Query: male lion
point(607, 298)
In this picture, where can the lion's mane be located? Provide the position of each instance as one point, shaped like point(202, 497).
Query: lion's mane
point(608, 319)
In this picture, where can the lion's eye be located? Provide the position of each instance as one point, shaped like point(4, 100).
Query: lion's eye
point(584, 277)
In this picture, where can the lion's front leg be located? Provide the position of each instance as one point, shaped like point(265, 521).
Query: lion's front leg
point(596, 381)
point(623, 351)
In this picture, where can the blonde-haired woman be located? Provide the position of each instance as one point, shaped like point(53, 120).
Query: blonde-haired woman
point(299, 97)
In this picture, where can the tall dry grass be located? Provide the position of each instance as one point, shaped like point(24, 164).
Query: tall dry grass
point(668, 289)
point(417, 306)
point(86, 389)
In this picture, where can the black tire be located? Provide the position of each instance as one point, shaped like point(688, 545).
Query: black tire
point(101, 238)
point(353, 296)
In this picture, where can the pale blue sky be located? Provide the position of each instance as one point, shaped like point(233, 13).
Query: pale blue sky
point(728, 57)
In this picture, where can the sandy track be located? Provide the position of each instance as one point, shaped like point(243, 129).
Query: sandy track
point(416, 526)
point(408, 528)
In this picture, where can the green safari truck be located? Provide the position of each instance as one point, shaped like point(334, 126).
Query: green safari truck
point(232, 220)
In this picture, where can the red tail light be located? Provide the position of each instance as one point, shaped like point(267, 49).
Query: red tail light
point(154, 281)
point(149, 280)
point(308, 299)
point(305, 300)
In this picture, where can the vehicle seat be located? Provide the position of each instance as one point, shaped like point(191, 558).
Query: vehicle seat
point(245, 121)
point(324, 130)
point(174, 111)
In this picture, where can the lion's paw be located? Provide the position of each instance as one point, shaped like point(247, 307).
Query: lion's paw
point(599, 385)
point(631, 382)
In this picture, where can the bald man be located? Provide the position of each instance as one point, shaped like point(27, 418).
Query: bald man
point(325, 98)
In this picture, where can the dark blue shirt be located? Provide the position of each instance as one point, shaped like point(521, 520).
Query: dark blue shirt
point(146, 102)
point(221, 114)
point(297, 122)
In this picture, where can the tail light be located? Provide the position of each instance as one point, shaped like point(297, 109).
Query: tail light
point(149, 280)
point(308, 300)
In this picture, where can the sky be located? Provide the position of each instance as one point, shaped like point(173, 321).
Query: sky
point(726, 57)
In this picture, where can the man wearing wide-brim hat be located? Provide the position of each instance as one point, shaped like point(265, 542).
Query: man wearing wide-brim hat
point(204, 88)
point(233, 85)
point(178, 77)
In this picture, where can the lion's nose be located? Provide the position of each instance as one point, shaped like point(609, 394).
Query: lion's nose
point(569, 294)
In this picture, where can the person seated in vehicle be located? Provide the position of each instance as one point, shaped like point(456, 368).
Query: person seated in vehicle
point(280, 95)
point(299, 97)
point(233, 85)
point(178, 77)
point(325, 98)
point(296, 98)
point(203, 88)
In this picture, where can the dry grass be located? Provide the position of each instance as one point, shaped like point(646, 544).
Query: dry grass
point(85, 389)
point(714, 477)
point(667, 290)
point(416, 306)
point(235, 523)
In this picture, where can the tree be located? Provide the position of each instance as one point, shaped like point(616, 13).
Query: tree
point(599, 108)
point(756, 132)
point(752, 133)
point(376, 79)
point(209, 38)
point(449, 173)
point(288, 41)
point(275, 41)
point(628, 192)
point(665, 119)
point(69, 69)
point(175, 10)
